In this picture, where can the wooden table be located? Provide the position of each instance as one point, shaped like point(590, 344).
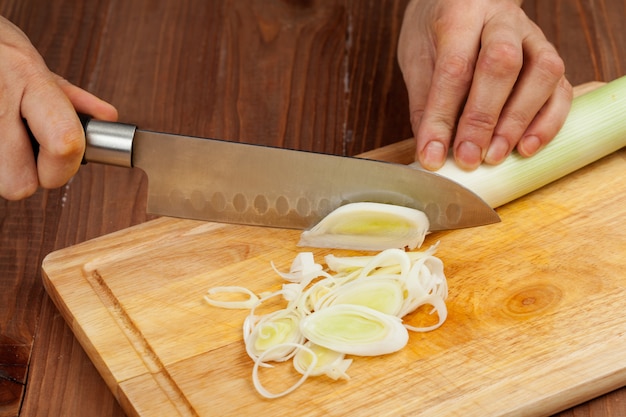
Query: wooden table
point(314, 75)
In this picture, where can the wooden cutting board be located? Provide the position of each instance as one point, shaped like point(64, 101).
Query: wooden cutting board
point(536, 313)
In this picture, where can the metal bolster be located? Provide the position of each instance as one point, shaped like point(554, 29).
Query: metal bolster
point(109, 143)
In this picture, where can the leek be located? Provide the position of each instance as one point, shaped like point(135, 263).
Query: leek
point(318, 360)
point(356, 307)
point(275, 332)
point(595, 127)
point(381, 294)
point(355, 330)
point(303, 268)
point(256, 380)
point(368, 226)
point(345, 263)
point(247, 303)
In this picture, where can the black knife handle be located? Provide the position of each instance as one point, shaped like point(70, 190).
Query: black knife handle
point(108, 143)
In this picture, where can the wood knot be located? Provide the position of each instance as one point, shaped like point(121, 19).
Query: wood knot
point(532, 300)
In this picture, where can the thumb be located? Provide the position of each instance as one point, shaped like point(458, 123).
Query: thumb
point(59, 132)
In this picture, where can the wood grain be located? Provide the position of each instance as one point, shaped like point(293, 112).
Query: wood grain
point(209, 69)
point(532, 316)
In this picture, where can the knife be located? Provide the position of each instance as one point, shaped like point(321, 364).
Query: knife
point(232, 182)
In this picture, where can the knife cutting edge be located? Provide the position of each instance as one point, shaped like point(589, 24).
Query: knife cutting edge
point(232, 182)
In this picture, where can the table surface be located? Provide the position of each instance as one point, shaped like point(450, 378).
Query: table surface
point(317, 75)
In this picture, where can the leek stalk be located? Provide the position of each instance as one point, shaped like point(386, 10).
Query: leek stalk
point(595, 128)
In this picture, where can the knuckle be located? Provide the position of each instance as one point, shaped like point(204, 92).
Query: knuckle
point(457, 67)
point(25, 61)
point(550, 63)
point(67, 143)
point(479, 121)
point(416, 117)
point(501, 58)
point(71, 143)
point(516, 120)
point(437, 126)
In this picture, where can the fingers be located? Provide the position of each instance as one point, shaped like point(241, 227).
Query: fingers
point(540, 89)
point(516, 76)
point(548, 121)
point(539, 104)
point(18, 176)
point(457, 42)
point(499, 62)
point(59, 132)
point(416, 57)
point(18, 172)
point(30, 92)
point(496, 84)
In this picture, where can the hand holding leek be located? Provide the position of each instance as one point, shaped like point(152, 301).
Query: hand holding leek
point(595, 127)
point(482, 79)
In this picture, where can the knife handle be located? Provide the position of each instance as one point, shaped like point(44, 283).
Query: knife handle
point(108, 143)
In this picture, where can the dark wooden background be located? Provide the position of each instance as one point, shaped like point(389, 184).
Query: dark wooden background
point(309, 74)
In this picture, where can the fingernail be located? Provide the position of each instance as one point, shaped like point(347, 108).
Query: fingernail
point(434, 155)
point(468, 155)
point(528, 145)
point(498, 150)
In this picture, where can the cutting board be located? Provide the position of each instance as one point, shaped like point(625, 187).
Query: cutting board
point(536, 313)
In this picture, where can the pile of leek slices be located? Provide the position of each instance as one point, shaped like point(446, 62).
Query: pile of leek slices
point(357, 306)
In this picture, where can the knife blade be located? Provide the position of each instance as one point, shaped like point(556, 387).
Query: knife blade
point(232, 182)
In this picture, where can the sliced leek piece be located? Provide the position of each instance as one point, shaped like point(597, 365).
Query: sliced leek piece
point(350, 263)
point(381, 294)
point(355, 330)
point(361, 309)
point(273, 335)
point(259, 362)
point(318, 360)
point(368, 226)
point(303, 268)
point(247, 303)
